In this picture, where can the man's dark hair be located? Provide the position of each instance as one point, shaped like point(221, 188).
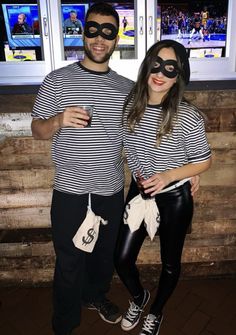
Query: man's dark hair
point(105, 9)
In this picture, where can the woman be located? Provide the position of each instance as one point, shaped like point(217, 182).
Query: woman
point(165, 144)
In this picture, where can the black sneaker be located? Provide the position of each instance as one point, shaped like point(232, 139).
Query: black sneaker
point(131, 318)
point(151, 325)
point(108, 311)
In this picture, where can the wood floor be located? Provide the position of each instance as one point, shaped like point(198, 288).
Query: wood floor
point(197, 307)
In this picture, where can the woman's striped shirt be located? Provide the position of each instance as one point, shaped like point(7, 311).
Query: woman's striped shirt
point(186, 144)
point(87, 160)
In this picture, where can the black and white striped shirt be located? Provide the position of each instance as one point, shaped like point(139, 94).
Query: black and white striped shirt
point(186, 144)
point(87, 160)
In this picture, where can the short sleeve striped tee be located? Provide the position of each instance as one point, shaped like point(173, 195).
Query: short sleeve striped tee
point(186, 144)
point(87, 160)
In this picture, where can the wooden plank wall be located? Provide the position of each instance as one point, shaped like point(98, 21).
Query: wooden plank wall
point(26, 177)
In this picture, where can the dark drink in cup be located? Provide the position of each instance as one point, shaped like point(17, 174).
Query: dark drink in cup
point(89, 110)
point(144, 195)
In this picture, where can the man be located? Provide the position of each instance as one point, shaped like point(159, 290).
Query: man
point(21, 27)
point(197, 29)
point(125, 22)
point(88, 160)
point(72, 25)
point(204, 17)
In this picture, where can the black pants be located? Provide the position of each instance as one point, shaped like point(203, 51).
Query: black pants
point(80, 275)
point(176, 210)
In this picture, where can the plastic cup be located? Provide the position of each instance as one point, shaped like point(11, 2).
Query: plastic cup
point(144, 195)
point(89, 110)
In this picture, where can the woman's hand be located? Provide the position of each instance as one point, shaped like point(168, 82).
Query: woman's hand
point(156, 183)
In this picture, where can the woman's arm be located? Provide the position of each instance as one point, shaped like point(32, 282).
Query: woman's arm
point(158, 181)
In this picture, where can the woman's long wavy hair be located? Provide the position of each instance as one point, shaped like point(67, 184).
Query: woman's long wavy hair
point(137, 99)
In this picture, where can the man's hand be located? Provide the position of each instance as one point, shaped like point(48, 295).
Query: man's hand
point(195, 183)
point(73, 116)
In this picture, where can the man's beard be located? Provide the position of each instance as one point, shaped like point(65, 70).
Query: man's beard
point(105, 58)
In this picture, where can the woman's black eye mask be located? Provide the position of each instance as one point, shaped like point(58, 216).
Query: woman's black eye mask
point(164, 67)
point(100, 29)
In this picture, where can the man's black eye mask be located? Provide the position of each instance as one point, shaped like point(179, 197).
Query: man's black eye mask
point(162, 68)
point(100, 30)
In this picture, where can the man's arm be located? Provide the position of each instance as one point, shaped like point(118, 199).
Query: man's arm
point(74, 117)
point(14, 29)
point(45, 129)
point(28, 28)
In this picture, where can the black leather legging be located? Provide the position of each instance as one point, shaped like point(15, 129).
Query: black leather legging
point(176, 210)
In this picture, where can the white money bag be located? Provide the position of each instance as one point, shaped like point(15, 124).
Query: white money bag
point(87, 234)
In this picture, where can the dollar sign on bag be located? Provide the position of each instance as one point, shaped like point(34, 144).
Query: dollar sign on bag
point(89, 238)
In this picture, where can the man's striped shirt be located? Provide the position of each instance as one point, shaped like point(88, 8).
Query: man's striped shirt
point(87, 160)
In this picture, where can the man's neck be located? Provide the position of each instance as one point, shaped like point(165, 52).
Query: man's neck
point(98, 67)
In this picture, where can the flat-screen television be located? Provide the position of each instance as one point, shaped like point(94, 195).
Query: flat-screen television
point(127, 30)
point(22, 25)
point(72, 31)
point(73, 19)
point(201, 26)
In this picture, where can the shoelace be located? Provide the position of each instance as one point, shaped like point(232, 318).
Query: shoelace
point(148, 325)
point(132, 311)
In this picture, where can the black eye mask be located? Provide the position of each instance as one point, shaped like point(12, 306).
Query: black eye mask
point(101, 29)
point(164, 67)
